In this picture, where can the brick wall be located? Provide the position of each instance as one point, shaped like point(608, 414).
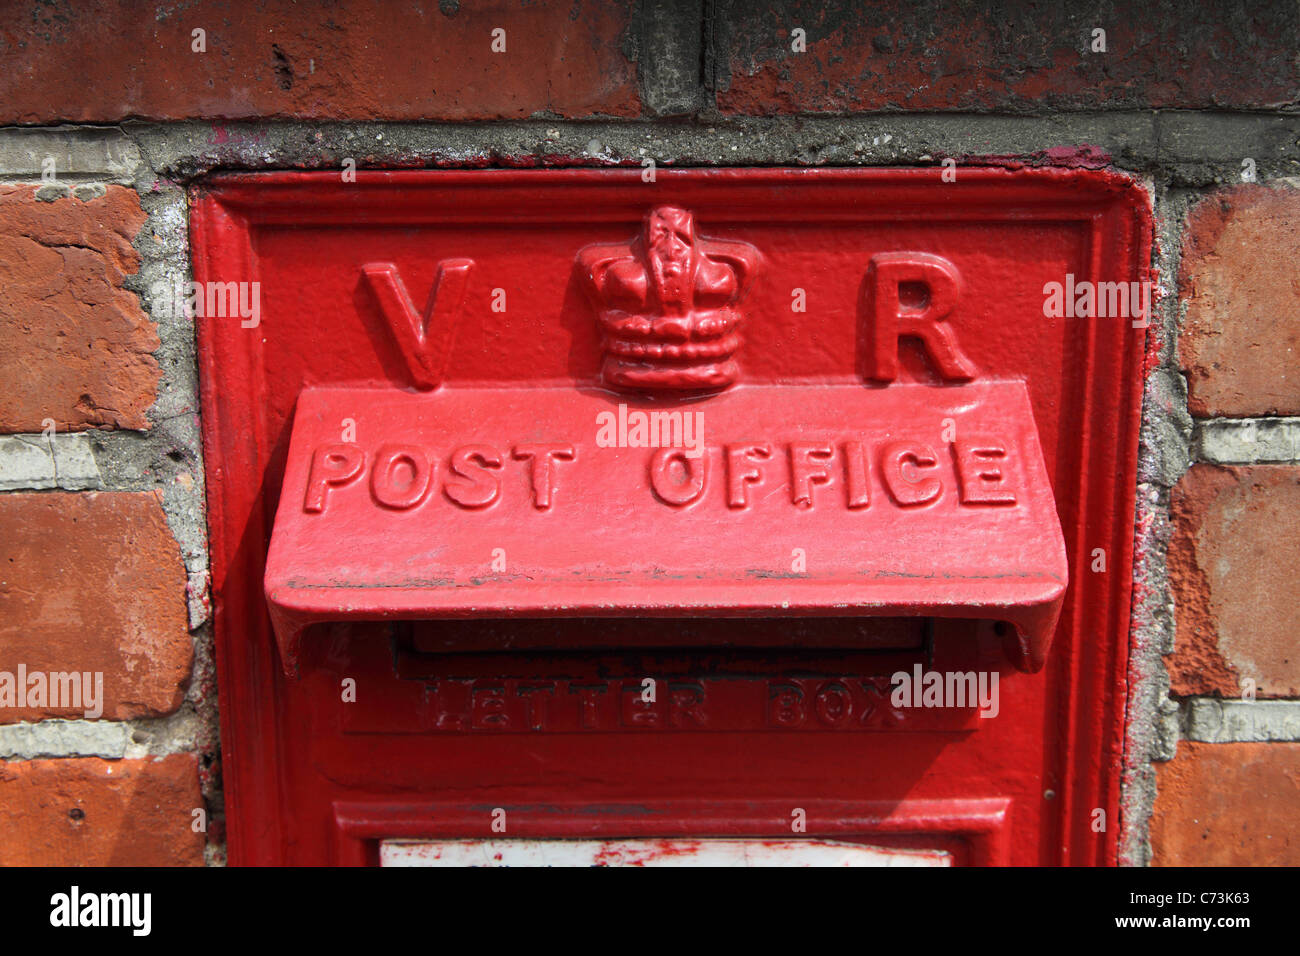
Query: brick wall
point(102, 558)
point(108, 115)
point(1230, 795)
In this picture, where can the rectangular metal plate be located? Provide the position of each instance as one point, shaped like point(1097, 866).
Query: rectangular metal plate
point(728, 853)
point(786, 499)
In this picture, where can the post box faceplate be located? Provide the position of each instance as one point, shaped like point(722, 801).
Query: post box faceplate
point(501, 446)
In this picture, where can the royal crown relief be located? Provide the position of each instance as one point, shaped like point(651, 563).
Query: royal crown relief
point(670, 308)
point(668, 304)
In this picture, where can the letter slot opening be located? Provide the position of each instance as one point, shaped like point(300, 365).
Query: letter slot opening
point(717, 647)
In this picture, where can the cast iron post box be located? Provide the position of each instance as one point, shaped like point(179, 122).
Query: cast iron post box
point(743, 514)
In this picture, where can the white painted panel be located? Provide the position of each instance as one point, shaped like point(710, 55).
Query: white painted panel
point(717, 852)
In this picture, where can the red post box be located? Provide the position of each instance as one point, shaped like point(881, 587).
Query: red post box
point(559, 516)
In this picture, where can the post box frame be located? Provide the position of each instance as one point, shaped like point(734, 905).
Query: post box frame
point(244, 460)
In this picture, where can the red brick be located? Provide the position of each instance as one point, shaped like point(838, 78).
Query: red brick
point(92, 812)
point(94, 582)
point(1228, 805)
point(351, 60)
point(1240, 341)
point(891, 54)
point(74, 345)
point(1232, 566)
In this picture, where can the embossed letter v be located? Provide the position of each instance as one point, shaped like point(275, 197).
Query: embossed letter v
point(425, 340)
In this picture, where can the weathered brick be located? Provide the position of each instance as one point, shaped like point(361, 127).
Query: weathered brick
point(75, 346)
point(1240, 341)
point(94, 583)
point(1016, 55)
point(1232, 566)
point(352, 60)
point(1228, 805)
point(92, 812)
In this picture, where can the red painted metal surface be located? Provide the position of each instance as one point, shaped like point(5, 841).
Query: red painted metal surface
point(821, 500)
point(549, 296)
